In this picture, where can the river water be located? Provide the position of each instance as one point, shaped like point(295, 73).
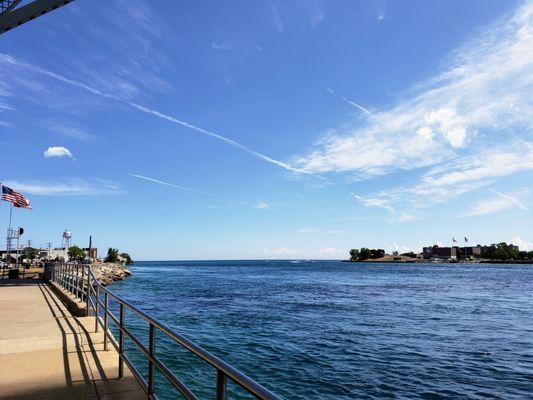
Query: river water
point(332, 330)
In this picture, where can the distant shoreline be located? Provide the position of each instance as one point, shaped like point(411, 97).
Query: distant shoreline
point(440, 262)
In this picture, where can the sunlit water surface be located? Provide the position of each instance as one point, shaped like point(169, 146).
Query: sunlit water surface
point(332, 330)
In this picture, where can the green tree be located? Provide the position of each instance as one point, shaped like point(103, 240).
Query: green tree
point(112, 255)
point(377, 253)
point(364, 253)
point(354, 254)
point(75, 253)
point(126, 257)
point(409, 254)
point(30, 253)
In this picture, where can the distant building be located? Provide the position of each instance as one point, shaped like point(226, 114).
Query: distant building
point(92, 252)
point(436, 251)
point(477, 251)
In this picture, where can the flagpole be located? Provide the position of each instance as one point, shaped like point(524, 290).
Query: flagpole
point(9, 236)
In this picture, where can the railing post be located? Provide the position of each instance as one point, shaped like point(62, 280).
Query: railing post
point(121, 343)
point(222, 385)
point(83, 295)
point(150, 363)
point(106, 306)
point(88, 291)
point(97, 306)
point(77, 280)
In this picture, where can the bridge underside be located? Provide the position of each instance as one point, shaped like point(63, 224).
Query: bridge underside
point(12, 16)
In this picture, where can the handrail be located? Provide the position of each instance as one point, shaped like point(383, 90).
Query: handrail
point(86, 286)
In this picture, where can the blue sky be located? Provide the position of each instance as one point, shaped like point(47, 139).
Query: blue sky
point(270, 129)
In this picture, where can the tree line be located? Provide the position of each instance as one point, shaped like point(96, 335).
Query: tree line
point(364, 254)
point(503, 251)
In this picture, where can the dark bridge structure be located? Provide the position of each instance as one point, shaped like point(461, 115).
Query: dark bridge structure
point(13, 14)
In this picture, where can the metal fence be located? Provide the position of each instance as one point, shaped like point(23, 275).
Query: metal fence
point(81, 282)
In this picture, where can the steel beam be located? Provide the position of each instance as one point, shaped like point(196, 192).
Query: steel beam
point(12, 17)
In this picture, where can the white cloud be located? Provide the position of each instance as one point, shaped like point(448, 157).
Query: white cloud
point(380, 9)
point(357, 106)
point(522, 244)
point(146, 178)
point(221, 45)
point(374, 202)
point(9, 60)
point(511, 199)
point(482, 99)
point(489, 206)
point(261, 205)
point(70, 187)
point(72, 132)
point(331, 251)
point(274, 16)
point(456, 177)
point(317, 18)
point(402, 249)
point(307, 230)
point(281, 251)
point(57, 151)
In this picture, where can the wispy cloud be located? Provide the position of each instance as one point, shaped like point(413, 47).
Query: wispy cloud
point(510, 198)
point(153, 180)
point(352, 103)
point(11, 60)
point(261, 205)
point(221, 45)
point(357, 106)
point(219, 137)
point(453, 178)
point(380, 9)
point(69, 187)
point(481, 100)
point(497, 204)
point(57, 151)
point(274, 16)
point(375, 202)
point(281, 251)
point(307, 230)
point(72, 132)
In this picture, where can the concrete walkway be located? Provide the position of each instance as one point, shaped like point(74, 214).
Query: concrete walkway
point(46, 353)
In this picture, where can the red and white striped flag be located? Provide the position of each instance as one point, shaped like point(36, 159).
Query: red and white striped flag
point(15, 198)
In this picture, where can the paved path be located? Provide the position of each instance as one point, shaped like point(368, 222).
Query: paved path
point(46, 353)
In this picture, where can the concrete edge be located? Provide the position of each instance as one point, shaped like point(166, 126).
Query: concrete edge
point(76, 307)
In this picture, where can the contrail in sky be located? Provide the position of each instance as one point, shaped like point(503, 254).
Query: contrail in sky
point(90, 89)
point(218, 137)
point(354, 104)
point(350, 102)
point(510, 198)
point(146, 178)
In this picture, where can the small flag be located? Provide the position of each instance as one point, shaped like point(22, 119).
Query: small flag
point(15, 198)
point(466, 239)
point(453, 239)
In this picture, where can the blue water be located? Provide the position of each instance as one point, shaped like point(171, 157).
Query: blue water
point(332, 330)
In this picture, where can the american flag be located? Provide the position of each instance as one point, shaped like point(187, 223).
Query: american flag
point(16, 198)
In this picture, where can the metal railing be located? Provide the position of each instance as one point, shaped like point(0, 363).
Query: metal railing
point(80, 281)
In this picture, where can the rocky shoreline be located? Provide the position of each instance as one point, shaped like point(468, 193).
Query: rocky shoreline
point(108, 273)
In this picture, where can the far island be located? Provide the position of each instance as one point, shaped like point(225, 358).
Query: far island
point(495, 253)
